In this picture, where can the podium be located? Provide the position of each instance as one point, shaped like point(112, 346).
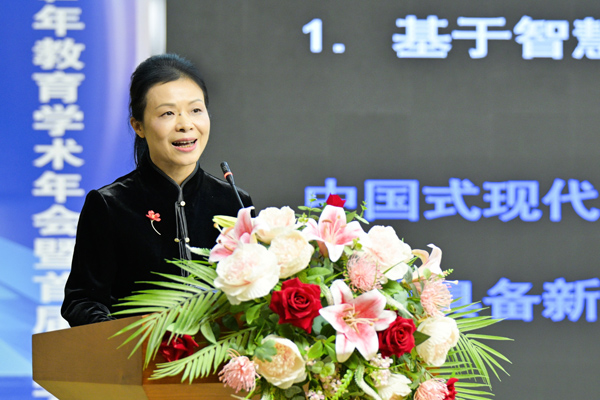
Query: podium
point(82, 363)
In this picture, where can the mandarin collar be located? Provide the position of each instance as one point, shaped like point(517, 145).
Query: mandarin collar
point(155, 178)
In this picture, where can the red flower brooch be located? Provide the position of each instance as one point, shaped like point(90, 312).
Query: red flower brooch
point(153, 217)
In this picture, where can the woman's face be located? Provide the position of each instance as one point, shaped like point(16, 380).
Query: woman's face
point(176, 126)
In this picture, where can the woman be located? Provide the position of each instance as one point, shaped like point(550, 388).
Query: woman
point(129, 228)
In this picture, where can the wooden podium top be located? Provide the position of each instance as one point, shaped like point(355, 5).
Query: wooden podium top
point(82, 363)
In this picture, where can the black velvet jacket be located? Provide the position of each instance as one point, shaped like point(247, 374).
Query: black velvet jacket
point(117, 246)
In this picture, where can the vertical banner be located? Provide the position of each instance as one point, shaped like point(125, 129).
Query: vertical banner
point(65, 75)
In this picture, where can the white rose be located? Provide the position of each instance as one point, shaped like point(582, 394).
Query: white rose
point(293, 252)
point(389, 251)
point(397, 388)
point(286, 367)
point(443, 335)
point(250, 272)
point(272, 221)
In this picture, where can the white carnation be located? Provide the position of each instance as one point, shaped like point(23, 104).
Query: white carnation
point(293, 252)
point(389, 251)
point(396, 388)
point(286, 367)
point(273, 221)
point(250, 272)
point(443, 335)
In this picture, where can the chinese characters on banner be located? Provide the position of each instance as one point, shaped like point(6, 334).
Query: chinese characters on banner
point(399, 199)
point(56, 122)
point(539, 38)
point(560, 300)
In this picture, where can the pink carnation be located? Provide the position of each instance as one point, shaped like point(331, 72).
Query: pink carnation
point(436, 297)
point(239, 373)
point(433, 389)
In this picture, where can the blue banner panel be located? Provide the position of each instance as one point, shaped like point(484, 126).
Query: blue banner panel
point(65, 73)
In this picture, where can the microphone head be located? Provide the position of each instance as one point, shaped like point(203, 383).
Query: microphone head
point(225, 167)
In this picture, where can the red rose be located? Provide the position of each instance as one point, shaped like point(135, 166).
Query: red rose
point(398, 338)
point(297, 303)
point(178, 347)
point(451, 389)
point(335, 200)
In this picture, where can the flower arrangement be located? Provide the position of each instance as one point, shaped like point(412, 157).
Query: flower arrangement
point(313, 307)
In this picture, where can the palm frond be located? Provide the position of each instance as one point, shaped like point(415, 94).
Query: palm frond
point(203, 270)
point(471, 359)
point(205, 361)
point(182, 306)
point(460, 395)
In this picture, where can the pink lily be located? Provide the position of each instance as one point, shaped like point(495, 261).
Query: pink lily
point(356, 320)
point(332, 231)
point(230, 238)
point(432, 262)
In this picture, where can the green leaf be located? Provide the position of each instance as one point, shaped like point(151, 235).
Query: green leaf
point(224, 220)
point(464, 396)
point(401, 297)
point(353, 361)
point(316, 350)
point(318, 323)
point(469, 306)
point(327, 330)
point(317, 367)
point(408, 277)
point(427, 273)
point(330, 349)
point(252, 313)
point(488, 337)
point(285, 330)
point(184, 284)
point(216, 328)
point(140, 310)
point(192, 331)
point(230, 322)
point(328, 369)
point(350, 216)
point(208, 333)
point(292, 391)
point(318, 271)
point(420, 337)
point(266, 350)
point(311, 209)
point(203, 252)
point(474, 323)
point(393, 287)
point(463, 383)
point(361, 219)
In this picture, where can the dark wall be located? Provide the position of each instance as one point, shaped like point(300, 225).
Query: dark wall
point(285, 118)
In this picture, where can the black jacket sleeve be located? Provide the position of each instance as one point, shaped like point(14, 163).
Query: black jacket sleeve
point(87, 291)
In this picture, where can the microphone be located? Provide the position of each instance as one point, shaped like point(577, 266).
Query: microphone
point(228, 175)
